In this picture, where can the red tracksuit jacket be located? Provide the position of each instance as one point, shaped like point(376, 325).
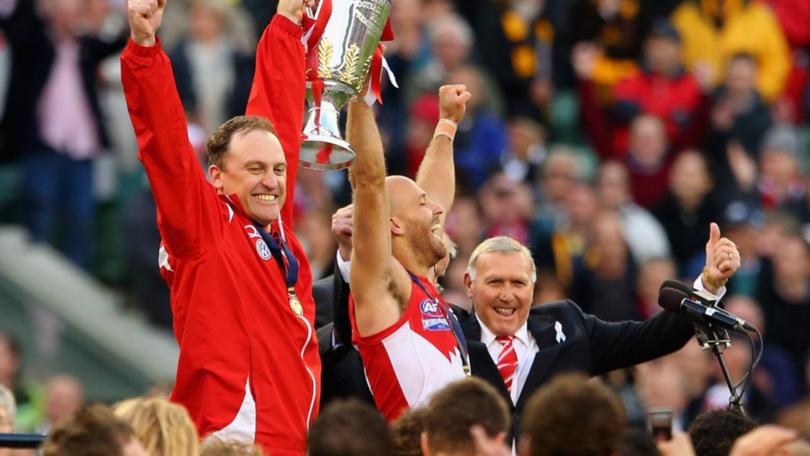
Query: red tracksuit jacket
point(249, 367)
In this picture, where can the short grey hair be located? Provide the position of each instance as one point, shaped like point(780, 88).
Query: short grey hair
point(501, 244)
point(453, 23)
point(8, 404)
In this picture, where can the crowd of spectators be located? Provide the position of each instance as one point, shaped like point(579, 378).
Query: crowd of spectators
point(570, 415)
point(603, 134)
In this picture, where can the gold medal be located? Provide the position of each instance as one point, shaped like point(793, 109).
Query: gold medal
point(295, 304)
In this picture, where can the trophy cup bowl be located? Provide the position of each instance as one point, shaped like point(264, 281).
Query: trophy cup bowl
point(344, 55)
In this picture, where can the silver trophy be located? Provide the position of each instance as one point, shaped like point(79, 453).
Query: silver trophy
point(344, 56)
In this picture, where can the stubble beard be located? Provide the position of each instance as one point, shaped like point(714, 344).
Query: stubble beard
point(427, 249)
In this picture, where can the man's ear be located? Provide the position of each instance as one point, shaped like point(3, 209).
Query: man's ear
point(396, 228)
point(468, 284)
point(215, 174)
point(423, 442)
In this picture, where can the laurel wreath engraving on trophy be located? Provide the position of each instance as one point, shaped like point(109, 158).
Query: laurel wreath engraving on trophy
point(325, 51)
point(349, 75)
point(345, 55)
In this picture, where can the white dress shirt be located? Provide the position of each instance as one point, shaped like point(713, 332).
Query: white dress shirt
point(525, 349)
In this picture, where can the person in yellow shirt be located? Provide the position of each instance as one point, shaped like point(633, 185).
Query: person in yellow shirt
point(714, 30)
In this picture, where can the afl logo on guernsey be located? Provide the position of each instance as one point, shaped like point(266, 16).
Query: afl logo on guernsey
point(432, 317)
point(262, 249)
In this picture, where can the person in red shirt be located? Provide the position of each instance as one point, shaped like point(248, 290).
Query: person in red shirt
point(662, 88)
point(410, 343)
point(241, 286)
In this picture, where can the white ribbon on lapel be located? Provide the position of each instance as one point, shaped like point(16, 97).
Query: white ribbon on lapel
point(560, 334)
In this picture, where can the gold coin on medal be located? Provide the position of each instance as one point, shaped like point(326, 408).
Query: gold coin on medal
point(295, 305)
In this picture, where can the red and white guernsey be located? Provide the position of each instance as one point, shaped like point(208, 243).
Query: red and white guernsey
point(413, 358)
point(249, 368)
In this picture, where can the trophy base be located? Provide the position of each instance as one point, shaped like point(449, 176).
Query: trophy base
point(325, 153)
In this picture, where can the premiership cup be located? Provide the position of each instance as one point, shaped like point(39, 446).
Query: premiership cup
point(343, 55)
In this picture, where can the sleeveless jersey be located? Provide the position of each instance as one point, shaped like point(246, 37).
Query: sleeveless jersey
point(413, 358)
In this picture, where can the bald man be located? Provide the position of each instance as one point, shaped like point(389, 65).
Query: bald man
point(402, 327)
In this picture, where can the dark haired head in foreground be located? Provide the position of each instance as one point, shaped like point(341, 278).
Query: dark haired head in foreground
point(455, 409)
point(92, 431)
point(713, 433)
point(407, 430)
point(572, 416)
point(349, 428)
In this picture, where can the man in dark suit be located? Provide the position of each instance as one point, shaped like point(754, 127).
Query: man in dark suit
point(517, 348)
point(341, 367)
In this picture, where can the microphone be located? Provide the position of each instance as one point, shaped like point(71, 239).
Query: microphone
point(676, 301)
point(687, 290)
point(706, 334)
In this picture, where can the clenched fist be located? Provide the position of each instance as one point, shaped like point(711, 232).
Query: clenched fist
point(294, 9)
point(342, 225)
point(453, 101)
point(144, 20)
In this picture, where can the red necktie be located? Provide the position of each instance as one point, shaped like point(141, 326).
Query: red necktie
point(507, 360)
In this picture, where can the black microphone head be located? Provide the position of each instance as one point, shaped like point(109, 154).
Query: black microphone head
point(670, 299)
point(676, 285)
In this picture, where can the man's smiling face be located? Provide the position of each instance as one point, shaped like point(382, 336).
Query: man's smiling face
point(254, 168)
point(501, 290)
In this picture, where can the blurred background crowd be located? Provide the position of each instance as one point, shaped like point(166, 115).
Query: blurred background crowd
point(604, 134)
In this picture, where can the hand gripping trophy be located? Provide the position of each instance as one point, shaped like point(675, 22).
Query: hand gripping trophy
point(343, 49)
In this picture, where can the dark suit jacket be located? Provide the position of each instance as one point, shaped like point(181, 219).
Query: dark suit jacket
point(342, 373)
point(323, 293)
point(591, 345)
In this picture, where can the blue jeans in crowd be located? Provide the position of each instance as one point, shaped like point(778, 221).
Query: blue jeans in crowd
point(59, 205)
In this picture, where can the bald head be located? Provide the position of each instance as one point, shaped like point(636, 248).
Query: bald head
point(401, 191)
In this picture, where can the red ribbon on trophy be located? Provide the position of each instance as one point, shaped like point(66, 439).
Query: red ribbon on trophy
point(322, 145)
point(314, 29)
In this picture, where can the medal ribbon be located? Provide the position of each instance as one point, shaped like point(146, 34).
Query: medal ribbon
point(281, 251)
point(461, 341)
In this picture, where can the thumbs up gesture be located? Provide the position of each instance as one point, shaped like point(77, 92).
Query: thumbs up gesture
point(722, 260)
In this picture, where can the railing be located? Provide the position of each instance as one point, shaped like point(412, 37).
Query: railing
point(21, 440)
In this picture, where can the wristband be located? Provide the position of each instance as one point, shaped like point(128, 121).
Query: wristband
point(446, 127)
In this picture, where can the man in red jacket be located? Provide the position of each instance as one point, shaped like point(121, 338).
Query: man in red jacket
point(241, 286)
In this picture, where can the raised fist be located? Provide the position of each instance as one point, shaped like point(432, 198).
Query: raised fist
point(144, 20)
point(453, 101)
point(294, 9)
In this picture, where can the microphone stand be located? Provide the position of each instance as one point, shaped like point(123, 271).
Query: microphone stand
point(717, 340)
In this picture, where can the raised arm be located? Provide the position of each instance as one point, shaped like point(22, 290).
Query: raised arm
point(187, 204)
point(378, 282)
point(279, 87)
point(437, 173)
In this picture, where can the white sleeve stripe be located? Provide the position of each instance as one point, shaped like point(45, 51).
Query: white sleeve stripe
point(163, 259)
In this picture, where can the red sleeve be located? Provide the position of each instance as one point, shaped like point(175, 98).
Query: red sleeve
point(187, 205)
point(278, 93)
point(627, 89)
point(793, 17)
